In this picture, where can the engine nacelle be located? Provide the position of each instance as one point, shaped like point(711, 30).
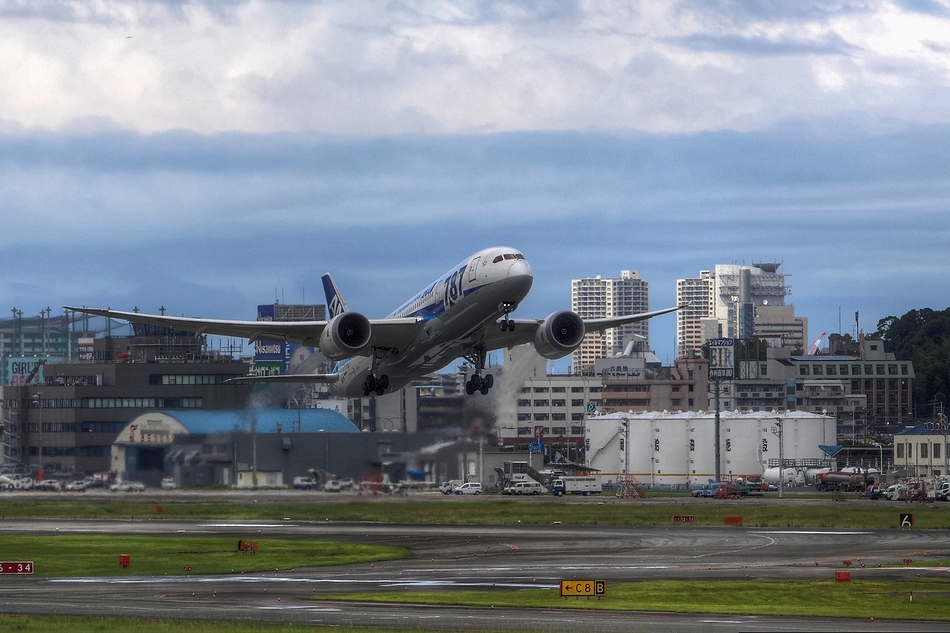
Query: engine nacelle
point(559, 335)
point(345, 335)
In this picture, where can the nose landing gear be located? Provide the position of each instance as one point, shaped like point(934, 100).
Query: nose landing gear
point(507, 308)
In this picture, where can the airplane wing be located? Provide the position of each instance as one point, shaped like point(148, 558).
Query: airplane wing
point(392, 333)
point(304, 332)
point(597, 325)
point(493, 337)
point(293, 378)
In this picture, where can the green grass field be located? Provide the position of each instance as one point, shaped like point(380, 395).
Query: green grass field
point(858, 599)
point(98, 555)
point(70, 555)
point(488, 511)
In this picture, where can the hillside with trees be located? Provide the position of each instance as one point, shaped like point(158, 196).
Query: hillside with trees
point(923, 337)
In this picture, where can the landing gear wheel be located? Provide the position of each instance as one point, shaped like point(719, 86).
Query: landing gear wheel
point(489, 380)
point(484, 388)
point(369, 385)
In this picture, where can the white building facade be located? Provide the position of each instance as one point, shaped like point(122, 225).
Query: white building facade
point(678, 449)
point(726, 303)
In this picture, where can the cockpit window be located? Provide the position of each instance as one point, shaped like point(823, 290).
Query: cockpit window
point(499, 258)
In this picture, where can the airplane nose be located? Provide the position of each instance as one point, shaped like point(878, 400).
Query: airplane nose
point(519, 275)
point(519, 268)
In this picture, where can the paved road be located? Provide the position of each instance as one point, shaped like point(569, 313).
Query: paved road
point(492, 558)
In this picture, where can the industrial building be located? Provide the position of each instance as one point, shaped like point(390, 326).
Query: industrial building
point(678, 449)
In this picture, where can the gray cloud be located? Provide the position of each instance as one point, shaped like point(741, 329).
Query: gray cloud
point(216, 224)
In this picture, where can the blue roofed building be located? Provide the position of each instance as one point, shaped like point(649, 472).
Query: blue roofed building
point(203, 443)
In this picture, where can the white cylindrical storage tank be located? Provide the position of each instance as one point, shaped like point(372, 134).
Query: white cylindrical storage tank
point(703, 457)
point(740, 447)
point(677, 449)
point(641, 443)
point(670, 447)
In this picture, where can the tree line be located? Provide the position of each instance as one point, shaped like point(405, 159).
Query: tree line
point(922, 337)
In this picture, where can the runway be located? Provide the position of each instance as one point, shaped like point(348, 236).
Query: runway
point(491, 558)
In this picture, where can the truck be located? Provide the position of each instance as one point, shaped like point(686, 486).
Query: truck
point(17, 482)
point(842, 481)
point(587, 485)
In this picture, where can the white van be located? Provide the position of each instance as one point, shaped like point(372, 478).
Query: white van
point(471, 488)
point(527, 488)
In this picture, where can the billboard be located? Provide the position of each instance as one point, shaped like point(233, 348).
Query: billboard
point(722, 358)
point(20, 368)
point(269, 352)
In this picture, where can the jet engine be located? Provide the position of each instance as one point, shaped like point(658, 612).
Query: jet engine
point(345, 335)
point(559, 335)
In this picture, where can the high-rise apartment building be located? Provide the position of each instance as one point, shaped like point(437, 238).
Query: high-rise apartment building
point(599, 298)
point(697, 295)
point(724, 303)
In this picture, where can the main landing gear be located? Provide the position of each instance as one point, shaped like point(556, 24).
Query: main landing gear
point(477, 382)
point(374, 382)
point(481, 384)
point(379, 385)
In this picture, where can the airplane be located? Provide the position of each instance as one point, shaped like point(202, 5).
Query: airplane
point(465, 313)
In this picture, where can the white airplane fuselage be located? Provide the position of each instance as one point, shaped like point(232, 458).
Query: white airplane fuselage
point(475, 292)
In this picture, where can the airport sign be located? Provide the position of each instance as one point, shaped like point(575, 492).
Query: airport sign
point(583, 588)
point(16, 567)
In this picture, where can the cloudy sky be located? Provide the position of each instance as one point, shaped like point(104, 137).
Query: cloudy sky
point(208, 157)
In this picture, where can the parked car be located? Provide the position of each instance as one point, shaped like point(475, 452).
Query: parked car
point(707, 490)
point(332, 486)
point(76, 486)
point(169, 484)
point(471, 488)
point(48, 484)
point(347, 483)
point(304, 483)
point(127, 486)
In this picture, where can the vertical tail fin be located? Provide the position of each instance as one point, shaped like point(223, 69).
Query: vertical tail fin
point(335, 303)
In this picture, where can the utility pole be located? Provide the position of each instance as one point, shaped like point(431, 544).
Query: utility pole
point(781, 457)
point(716, 386)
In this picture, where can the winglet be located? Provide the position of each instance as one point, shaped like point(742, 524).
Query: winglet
point(335, 303)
